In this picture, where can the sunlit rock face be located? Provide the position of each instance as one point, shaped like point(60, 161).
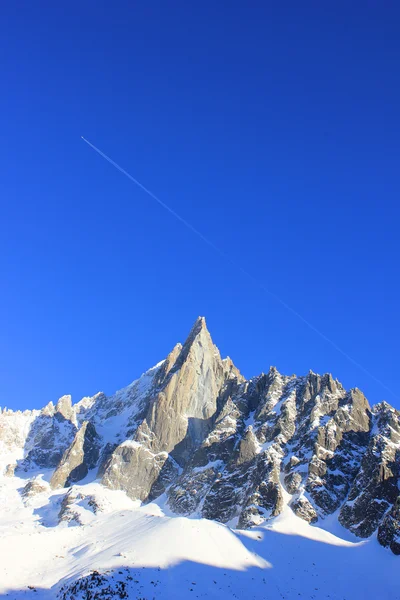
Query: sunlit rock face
point(180, 410)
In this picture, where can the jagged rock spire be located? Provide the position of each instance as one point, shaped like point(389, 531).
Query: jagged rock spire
point(179, 415)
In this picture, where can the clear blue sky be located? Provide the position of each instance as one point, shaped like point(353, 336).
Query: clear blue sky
point(273, 127)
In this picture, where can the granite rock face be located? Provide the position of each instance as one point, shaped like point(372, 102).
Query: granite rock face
point(389, 529)
point(79, 458)
point(375, 488)
point(179, 415)
point(222, 447)
point(48, 438)
point(34, 438)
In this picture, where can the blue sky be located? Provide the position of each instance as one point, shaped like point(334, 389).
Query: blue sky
point(273, 128)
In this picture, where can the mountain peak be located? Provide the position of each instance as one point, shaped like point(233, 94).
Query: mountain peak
point(224, 447)
point(198, 331)
point(199, 325)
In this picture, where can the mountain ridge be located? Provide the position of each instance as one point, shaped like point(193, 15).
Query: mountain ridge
point(193, 430)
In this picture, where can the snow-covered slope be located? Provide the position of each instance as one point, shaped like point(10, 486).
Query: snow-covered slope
point(146, 553)
point(168, 473)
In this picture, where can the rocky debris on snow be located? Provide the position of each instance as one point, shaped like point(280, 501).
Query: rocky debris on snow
point(9, 470)
point(35, 486)
point(74, 506)
point(97, 585)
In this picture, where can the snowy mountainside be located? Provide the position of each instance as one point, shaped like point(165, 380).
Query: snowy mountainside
point(38, 438)
point(193, 444)
point(91, 542)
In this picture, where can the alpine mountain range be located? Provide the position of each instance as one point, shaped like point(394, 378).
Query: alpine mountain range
point(194, 432)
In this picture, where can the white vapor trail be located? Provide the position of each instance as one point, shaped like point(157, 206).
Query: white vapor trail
point(238, 267)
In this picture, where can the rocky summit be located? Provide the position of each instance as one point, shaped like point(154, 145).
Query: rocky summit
point(193, 430)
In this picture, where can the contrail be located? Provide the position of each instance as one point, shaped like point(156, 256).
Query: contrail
point(241, 269)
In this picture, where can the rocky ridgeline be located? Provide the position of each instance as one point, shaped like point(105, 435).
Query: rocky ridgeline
point(225, 448)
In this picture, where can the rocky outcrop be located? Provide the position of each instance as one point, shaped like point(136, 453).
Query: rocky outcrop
point(64, 408)
point(389, 529)
point(33, 487)
point(9, 470)
point(340, 443)
point(375, 488)
point(79, 458)
point(49, 436)
point(133, 468)
point(75, 505)
point(304, 509)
